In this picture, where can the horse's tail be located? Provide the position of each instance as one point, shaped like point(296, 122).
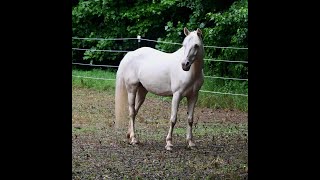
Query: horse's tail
point(121, 100)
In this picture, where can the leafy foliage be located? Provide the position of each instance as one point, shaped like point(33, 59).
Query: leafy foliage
point(223, 23)
point(230, 29)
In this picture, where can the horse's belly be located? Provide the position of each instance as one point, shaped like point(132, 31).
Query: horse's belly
point(156, 83)
point(158, 88)
point(155, 78)
point(160, 92)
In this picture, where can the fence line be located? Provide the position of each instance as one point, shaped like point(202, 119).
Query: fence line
point(95, 65)
point(139, 39)
point(223, 93)
point(86, 77)
point(104, 50)
point(214, 92)
point(165, 42)
point(225, 47)
point(105, 39)
point(218, 60)
point(214, 77)
point(144, 39)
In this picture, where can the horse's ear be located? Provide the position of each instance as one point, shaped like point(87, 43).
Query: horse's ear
point(186, 31)
point(199, 32)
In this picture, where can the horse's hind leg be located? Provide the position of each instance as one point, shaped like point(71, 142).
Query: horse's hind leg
point(132, 91)
point(191, 104)
point(140, 97)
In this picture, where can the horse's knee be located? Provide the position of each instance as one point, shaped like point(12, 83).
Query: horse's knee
point(132, 115)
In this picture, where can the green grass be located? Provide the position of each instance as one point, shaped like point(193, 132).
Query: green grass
point(209, 100)
point(215, 129)
point(107, 85)
point(86, 129)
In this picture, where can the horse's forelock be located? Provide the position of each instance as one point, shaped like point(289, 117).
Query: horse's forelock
point(195, 34)
point(193, 38)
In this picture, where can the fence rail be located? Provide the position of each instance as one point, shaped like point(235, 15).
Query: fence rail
point(151, 40)
point(110, 50)
point(143, 39)
point(213, 77)
point(214, 92)
point(103, 50)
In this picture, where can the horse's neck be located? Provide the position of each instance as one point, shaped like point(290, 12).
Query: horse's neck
point(179, 52)
point(196, 67)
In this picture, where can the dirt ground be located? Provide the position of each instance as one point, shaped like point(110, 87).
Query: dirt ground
point(101, 152)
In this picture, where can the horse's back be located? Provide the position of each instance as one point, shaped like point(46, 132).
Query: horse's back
point(148, 50)
point(149, 54)
point(148, 58)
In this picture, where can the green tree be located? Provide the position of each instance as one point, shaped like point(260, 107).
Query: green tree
point(223, 23)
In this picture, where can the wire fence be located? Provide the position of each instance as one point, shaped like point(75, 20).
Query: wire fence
point(139, 39)
point(214, 92)
point(214, 77)
point(166, 42)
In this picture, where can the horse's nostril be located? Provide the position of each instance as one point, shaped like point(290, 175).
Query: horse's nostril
point(187, 64)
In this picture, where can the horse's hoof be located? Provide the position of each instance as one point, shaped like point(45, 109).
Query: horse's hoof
point(134, 142)
point(192, 146)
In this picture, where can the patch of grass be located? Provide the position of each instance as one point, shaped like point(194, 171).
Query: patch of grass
point(223, 101)
point(84, 129)
point(214, 129)
point(210, 100)
point(99, 84)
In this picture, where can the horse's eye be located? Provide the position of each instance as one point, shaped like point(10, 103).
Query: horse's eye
point(196, 45)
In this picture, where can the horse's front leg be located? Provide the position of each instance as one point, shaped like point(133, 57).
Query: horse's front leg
point(192, 99)
point(173, 119)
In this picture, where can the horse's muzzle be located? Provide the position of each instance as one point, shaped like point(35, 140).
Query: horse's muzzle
point(186, 66)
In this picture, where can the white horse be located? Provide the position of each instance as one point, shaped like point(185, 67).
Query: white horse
point(177, 74)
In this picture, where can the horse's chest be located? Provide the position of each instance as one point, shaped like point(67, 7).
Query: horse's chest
point(191, 87)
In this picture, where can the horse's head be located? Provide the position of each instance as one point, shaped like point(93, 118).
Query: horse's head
point(193, 48)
